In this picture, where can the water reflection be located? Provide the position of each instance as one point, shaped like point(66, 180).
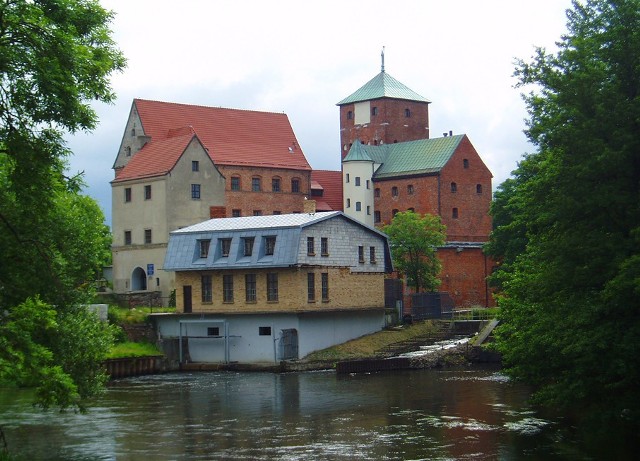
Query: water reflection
point(440, 415)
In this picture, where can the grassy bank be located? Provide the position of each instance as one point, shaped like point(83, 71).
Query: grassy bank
point(130, 349)
point(366, 346)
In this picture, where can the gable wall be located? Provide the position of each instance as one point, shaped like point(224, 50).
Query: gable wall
point(133, 138)
point(473, 223)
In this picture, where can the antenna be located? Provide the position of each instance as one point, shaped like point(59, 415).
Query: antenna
point(382, 56)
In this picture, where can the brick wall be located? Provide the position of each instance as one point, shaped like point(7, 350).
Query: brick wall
point(463, 276)
point(347, 290)
point(423, 200)
point(266, 201)
point(388, 126)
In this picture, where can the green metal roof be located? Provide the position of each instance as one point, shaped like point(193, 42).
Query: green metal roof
point(423, 156)
point(383, 85)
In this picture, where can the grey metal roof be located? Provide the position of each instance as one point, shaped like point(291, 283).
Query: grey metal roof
point(257, 222)
point(183, 250)
point(383, 85)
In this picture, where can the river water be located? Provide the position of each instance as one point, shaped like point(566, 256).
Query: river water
point(403, 415)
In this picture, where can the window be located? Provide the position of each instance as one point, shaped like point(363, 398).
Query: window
point(295, 185)
point(272, 286)
point(311, 251)
point(361, 254)
point(235, 183)
point(394, 191)
point(368, 184)
point(325, 286)
point(264, 331)
point(255, 184)
point(394, 212)
point(204, 248)
point(257, 212)
point(277, 212)
point(127, 237)
point(346, 178)
point(454, 213)
point(358, 206)
point(127, 194)
point(195, 191)
point(128, 151)
point(368, 210)
point(213, 331)
point(407, 112)
point(147, 192)
point(227, 288)
point(275, 184)
point(250, 287)
point(147, 236)
point(372, 255)
point(235, 213)
point(376, 216)
point(324, 246)
point(358, 181)
point(478, 188)
point(348, 203)
point(465, 163)
point(412, 210)
point(207, 289)
point(311, 287)
point(374, 110)
point(454, 187)
point(195, 165)
point(376, 192)
point(410, 189)
point(269, 245)
point(225, 247)
point(350, 115)
point(248, 245)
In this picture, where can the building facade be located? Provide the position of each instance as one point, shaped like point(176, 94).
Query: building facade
point(390, 164)
point(181, 164)
point(316, 279)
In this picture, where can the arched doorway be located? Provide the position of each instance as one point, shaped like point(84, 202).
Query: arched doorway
point(138, 279)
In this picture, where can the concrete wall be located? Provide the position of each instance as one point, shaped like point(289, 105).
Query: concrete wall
point(247, 345)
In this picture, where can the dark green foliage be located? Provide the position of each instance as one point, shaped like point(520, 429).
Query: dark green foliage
point(55, 58)
point(414, 240)
point(567, 224)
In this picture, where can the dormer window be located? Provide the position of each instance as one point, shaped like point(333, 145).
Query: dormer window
point(269, 245)
point(248, 245)
point(204, 248)
point(225, 247)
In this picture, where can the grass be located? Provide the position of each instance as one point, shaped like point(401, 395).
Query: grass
point(130, 349)
point(119, 315)
point(366, 346)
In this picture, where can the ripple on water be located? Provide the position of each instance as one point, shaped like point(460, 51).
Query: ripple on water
point(527, 426)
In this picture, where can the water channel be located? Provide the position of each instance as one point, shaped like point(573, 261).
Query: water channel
point(450, 414)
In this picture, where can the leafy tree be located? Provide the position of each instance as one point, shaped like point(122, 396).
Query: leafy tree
point(55, 58)
point(414, 240)
point(568, 223)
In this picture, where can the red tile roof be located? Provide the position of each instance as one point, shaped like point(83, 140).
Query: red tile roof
point(330, 183)
point(156, 158)
point(232, 136)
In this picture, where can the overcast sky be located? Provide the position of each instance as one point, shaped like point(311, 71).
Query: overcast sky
point(302, 57)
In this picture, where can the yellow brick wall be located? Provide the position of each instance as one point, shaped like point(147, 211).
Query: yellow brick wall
point(346, 291)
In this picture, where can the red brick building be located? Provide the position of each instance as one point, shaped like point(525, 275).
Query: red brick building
point(390, 164)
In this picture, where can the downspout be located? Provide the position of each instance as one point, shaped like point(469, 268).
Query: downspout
point(439, 204)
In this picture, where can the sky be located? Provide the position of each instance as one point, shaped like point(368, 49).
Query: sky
point(302, 57)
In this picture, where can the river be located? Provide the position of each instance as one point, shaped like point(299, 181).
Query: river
point(448, 414)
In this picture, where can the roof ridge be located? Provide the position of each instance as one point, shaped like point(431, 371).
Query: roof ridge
point(210, 107)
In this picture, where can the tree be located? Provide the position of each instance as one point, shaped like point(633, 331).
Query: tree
point(414, 240)
point(55, 58)
point(569, 222)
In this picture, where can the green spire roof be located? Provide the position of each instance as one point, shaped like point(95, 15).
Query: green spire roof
point(424, 156)
point(383, 85)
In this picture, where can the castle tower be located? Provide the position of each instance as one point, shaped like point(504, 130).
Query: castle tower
point(383, 111)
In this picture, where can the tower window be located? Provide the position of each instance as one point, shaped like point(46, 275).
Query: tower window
point(454, 213)
point(374, 111)
point(358, 206)
point(358, 181)
point(454, 187)
point(376, 192)
point(350, 115)
point(478, 188)
point(407, 112)
point(465, 163)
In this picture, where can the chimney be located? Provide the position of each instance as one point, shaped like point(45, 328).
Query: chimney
point(309, 206)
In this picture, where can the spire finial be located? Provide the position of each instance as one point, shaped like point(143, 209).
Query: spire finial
point(382, 56)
